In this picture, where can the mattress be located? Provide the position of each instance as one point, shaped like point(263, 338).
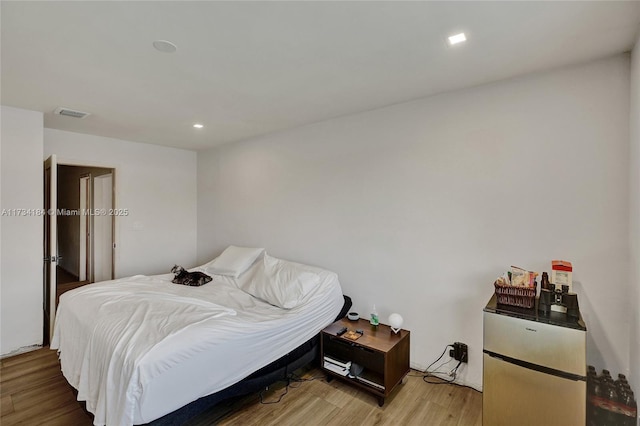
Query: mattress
point(140, 347)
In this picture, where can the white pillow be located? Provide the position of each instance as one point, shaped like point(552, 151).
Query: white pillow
point(281, 283)
point(233, 261)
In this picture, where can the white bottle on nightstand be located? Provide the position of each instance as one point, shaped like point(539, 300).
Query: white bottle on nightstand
point(374, 317)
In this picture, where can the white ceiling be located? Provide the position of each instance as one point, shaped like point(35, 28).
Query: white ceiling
point(249, 68)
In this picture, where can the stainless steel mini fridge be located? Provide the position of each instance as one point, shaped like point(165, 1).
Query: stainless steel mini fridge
point(534, 368)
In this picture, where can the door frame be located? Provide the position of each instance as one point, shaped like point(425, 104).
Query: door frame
point(50, 246)
point(49, 272)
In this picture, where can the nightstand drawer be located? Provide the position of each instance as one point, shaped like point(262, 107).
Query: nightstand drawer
point(351, 351)
point(368, 358)
point(337, 347)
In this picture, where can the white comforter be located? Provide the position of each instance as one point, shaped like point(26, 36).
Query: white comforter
point(140, 347)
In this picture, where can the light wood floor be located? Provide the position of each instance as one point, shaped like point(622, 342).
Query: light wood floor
point(34, 392)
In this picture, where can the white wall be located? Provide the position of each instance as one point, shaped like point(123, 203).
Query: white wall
point(634, 215)
point(419, 206)
point(21, 243)
point(158, 187)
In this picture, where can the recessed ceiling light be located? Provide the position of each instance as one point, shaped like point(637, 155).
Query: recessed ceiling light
point(164, 46)
point(458, 38)
point(198, 126)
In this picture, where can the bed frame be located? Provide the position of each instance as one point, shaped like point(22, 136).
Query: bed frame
point(271, 373)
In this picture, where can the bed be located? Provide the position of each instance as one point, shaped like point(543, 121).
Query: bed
point(142, 349)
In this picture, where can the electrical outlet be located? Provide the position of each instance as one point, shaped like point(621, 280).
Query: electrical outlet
point(460, 352)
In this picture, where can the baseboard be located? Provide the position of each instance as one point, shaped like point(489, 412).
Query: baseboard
point(21, 350)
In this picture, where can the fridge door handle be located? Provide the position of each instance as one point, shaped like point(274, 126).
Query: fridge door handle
point(536, 367)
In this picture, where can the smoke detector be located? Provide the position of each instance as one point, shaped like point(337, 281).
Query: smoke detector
point(70, 112)
point(164, 46)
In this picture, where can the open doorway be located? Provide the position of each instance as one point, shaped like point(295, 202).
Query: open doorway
point(79, 236)
point(83, 233)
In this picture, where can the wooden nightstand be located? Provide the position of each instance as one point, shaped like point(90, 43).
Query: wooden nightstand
point(383, 354)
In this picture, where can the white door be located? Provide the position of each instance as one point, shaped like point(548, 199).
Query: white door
point(50, 245)
point(102, 228)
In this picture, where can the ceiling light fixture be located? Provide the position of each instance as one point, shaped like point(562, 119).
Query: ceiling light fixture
point(198, 126)
point(164, 46)
point(458, 38)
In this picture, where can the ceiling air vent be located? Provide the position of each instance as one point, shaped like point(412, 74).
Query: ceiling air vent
point(70, 112)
